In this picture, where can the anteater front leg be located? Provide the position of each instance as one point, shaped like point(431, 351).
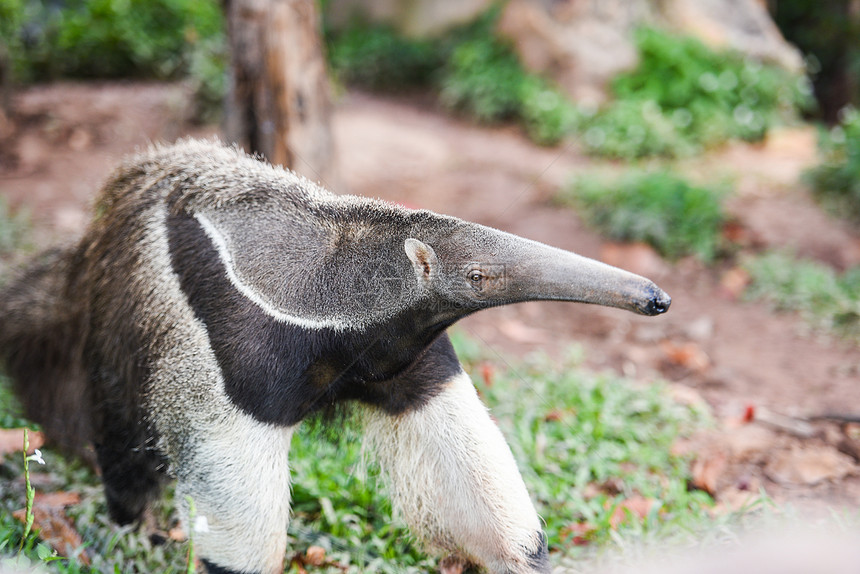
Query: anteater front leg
point(454, 480)
point(237, 476)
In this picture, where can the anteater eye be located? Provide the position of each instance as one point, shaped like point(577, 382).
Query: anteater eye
point(475, 276)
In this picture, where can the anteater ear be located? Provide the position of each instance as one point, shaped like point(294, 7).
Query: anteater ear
point(423, 259)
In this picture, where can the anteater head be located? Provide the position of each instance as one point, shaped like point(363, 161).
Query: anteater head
point(471, 267)
point(350, 263)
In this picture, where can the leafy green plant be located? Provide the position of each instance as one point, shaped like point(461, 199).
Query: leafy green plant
point(376, 57)
point(161, 39)
point(30, 492)
point(836, 181)
point(684, 97)
point(825, 299)
point(547, 114)
point(664, 210)
point(484, 78)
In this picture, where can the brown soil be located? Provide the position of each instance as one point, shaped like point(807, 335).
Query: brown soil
point(739, 356)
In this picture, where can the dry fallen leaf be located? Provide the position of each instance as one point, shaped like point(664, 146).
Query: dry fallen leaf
point(57, 530)
point(707, 471)
point(58, 499)
point(636, 506)
point(177, 534)
point(12, 440)
point(688, 355)
point(487, 373)
point(577, 533)
point(315, 556)
point(734, 282)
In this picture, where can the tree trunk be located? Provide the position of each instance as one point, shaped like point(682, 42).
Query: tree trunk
point(278, 102)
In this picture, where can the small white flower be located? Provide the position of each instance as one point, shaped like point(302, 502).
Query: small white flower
point(201, 524)
point(37, 457)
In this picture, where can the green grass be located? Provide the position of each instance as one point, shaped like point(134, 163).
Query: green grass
point(836, 180)
point(660, 208)
point(827, 300)
point(585, 442)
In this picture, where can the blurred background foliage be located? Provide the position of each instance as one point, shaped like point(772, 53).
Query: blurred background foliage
point(50, 39)
point(681, 99)
point(660, 208)
point(836, 181)
point(107, 39)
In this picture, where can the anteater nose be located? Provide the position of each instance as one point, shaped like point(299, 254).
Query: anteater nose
point(658, 304)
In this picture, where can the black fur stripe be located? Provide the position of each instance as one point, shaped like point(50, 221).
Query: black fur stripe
point(539, 559)
point(280, 373)
point(212, 568)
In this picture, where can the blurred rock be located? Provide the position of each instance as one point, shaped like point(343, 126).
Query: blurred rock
point(708, 470)
point(689, 356)
point(71, 219)
point(580, 45)
point(791, 425)
point(733, 282)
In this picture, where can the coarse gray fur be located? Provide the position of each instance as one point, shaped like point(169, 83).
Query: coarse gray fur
point(215, 301)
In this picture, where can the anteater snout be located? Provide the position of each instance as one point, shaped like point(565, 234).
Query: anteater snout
point(657, 304)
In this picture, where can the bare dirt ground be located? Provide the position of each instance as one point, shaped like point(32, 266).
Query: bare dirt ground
point(739, 356)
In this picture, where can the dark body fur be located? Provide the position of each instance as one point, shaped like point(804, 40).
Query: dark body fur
point(215, 300)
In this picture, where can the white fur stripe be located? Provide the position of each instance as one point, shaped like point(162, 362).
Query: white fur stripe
point(220, 243)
